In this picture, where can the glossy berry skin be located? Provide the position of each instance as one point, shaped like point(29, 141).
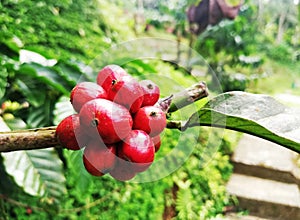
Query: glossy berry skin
point(84, 92)
point(150, 119)
point(108, 74)
point(110, 120)
point(127, 92)
point(98, 159)
point(123, 170)
point(151, 92)
point(157, 142)
point(70, 134)
point(138, 148)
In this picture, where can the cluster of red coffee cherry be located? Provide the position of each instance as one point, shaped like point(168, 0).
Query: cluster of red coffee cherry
point(117, 123)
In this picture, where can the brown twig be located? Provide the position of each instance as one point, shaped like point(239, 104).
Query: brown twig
point(28, 139)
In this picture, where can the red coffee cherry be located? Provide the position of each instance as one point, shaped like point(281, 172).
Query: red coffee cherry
point(123, 170)
point(70, 133)
point(151, 92)
point(28, 211)
point(127, 92)
point(110, 120)
point(137, 148)
point(150, 119)
point(157, 142)
point(108, 74)
point(84, 92)
point(99, 159)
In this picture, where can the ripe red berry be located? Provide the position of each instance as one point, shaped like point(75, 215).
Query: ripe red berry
point(157, 142)
point(70, 133)
point(108, 74)
point(137, 148)
point(127, 92)
point(123, 170)
point(28, 211)
point(150, 119)
point(110, 120)
point(84, 92)
point(151, 92)
point(99, 159)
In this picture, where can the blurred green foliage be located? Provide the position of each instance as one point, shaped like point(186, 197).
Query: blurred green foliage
point(62, 29)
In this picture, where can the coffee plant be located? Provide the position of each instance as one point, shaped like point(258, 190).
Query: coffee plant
point(45, 175)
point(39, 91)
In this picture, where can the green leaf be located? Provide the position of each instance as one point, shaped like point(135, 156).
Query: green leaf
point(46, 75)
point(15, 123)
point(139, 67)
point(70, 72)
point(27, 56)
point(87, 70)
point(62, 109)
point(258, 115)
point(40, 116)
point(11, 46)
point(38, 172)
point(3, 81)
point(33, 91)
point(78, 173)
point(7, 65)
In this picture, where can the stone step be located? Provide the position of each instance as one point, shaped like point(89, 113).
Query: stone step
point(265, 198)
point(261, 158)
point(243, 217)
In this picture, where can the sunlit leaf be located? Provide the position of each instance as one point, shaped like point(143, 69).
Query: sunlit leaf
point(258, 115)
point(3, 81)
point(27, 56)
point(46, 75)
point(38, 172)
point(40, 116)
point(62, 109)
point(15, 123)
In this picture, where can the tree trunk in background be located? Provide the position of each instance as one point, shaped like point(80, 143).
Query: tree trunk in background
point(260, 14)
point(281, 22)
point(190, 51)
point(140, 5)
point(138, 16)
point(299, 12)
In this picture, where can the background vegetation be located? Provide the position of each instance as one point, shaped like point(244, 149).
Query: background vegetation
point(258, 52)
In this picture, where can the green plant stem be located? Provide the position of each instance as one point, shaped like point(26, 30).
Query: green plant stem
point(186, 97)
point(20, 204)
point(41, 138)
